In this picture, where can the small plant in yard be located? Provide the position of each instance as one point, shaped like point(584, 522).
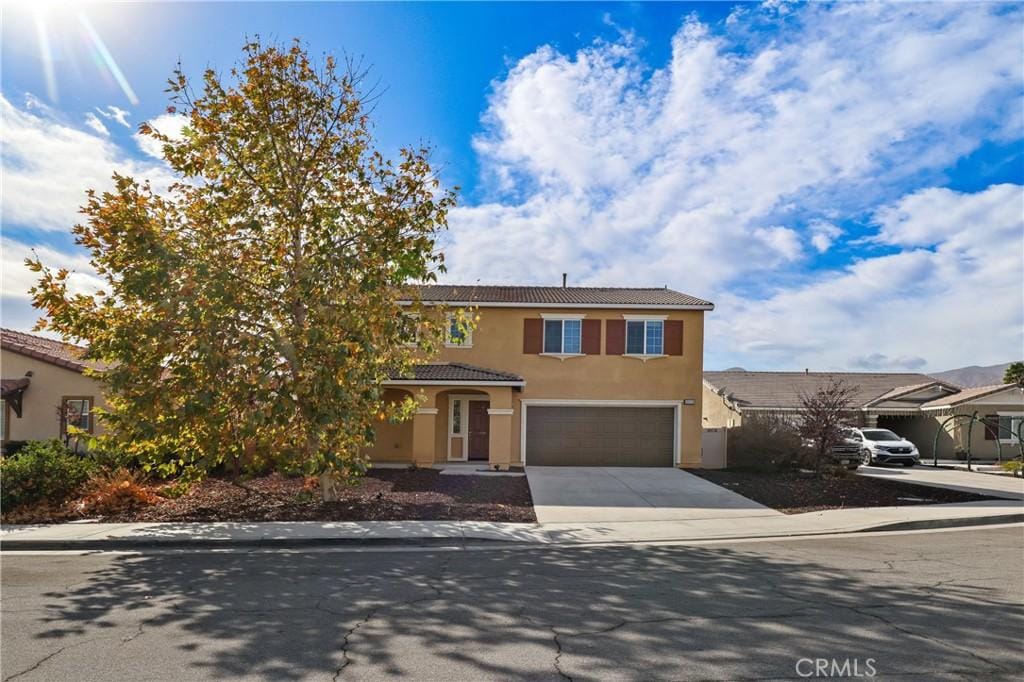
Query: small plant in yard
point(823, 418)
point(1014, 466)
point(112, 492)
point(765, 442)
point(42, 471)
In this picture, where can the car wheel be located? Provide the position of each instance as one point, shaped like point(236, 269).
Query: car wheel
point(865, 457)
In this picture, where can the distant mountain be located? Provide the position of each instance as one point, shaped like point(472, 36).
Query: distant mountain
point(973, 375)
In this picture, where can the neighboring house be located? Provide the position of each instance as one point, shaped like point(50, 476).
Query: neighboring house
point(557, 376)
point(1001, 407)
point(44, 388)
point(911, 405)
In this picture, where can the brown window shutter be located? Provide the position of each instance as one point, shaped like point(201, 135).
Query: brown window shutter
point(533, 335)
point(615, 341)
point(673, 337)
point(991, 422)
point(591, 337)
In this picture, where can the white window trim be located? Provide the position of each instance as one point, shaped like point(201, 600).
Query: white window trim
point(544, 335)
point(999, 432)
point(645, 356)
point(677, 405)
point(448, 342)
point(563, 316)
point(466, 398)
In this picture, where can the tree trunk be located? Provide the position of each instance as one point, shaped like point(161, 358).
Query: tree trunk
point(328, 487)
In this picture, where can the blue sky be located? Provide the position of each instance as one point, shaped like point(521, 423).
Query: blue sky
point(844, 181)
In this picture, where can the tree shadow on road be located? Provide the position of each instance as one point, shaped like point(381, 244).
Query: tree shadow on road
point(665, 612)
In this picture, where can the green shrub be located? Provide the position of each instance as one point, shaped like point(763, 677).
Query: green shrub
point(1014, 466)
point(42, 471)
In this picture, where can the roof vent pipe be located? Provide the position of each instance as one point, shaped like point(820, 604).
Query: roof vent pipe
point(565, 278)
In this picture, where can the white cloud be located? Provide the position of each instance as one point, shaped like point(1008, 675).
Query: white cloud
point(171, 125)
point(48, 165)
point(823, 234)
point(710, 172)
point(960, 302)
point(115, 113)
point(18, 279)
point(96, 124)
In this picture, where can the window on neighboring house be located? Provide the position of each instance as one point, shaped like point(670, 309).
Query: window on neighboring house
point(1008, 425)
point(645, 337)
point(456, 335)
point(411, 328)
point(563, 337)
point(76, 412)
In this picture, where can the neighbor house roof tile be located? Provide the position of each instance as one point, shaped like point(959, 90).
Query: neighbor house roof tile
point(967, 395)
point(781, 390)
point(55, 352)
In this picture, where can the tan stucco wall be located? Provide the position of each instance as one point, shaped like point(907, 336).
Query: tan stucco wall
point(49, 383)
point(393, 441)
point(715, 413)
point(497, 343)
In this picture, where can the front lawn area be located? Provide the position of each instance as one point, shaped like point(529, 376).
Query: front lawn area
point(383, 495)
point(794, 492)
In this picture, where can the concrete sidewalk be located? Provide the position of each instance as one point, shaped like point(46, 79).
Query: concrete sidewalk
point(107, 536)
point(954, 479)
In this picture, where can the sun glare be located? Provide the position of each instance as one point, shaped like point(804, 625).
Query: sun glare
point(63, 32)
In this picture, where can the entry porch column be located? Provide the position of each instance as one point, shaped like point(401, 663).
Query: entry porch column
point(500, 425)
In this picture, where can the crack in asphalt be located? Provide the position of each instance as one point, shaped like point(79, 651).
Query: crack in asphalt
point(47, 657)
point(432, 583)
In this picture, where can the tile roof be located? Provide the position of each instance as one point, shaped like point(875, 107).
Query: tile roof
point(559, 296)
point(56, 352)
point(783, 389)
point(967, 395)
point(457, 371)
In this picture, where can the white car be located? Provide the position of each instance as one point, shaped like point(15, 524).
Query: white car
point(882, 446)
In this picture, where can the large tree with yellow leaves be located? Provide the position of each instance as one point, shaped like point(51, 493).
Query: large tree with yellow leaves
point(253, 310)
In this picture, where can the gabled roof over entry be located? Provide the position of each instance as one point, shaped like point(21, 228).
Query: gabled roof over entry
point(457, 373)
point(967, 395)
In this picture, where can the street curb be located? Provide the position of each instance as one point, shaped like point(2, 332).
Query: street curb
point(15, 545)
point(129, 544)
point(945, 523)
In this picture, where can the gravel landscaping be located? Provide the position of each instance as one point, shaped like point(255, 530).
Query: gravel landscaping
point(383, 495)
point(794, 492)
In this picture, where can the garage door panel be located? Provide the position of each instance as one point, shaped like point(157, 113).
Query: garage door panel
point(599, 436)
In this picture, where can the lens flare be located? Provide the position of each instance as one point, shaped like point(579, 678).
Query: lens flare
point(45, 54)
point(108, 59)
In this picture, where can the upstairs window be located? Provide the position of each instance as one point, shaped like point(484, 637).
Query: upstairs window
point(645, 337)
point(563, 337)
point(456, 335)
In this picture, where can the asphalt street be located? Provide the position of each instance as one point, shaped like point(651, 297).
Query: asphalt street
point(937, 605)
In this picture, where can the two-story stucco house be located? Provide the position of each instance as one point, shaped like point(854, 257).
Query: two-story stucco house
point(570, 376)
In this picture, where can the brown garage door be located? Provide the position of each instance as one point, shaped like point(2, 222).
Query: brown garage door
point(599, 436)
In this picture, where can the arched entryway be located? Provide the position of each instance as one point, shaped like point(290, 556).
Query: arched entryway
point(465, 425)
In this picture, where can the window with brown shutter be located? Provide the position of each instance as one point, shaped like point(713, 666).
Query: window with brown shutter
point(673, 337)
point(615, 339)
point(591, 337)
point(533, 335)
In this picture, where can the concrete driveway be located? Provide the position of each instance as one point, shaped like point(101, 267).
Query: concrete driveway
point(609, 494)
point(956, 479)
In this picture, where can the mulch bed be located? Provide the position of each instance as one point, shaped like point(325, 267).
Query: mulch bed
point(382, 495)
point(794, 492)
